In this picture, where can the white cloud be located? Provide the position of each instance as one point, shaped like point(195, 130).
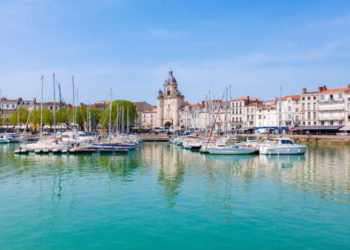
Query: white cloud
point(165, 33)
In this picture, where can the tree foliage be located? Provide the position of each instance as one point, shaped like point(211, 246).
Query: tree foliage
point(120, 108)
point(20, 115)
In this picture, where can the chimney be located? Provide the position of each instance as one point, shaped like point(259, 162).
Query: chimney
point(303, 91)
point(324, 87)
point(320, 89)
point(248, 99)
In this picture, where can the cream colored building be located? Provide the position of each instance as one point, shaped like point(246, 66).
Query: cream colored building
point(289, 111)
point(169, 103)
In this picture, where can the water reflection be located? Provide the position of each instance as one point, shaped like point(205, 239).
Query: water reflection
point(322, 171)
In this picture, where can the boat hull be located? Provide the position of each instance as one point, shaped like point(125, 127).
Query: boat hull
point(283, 150)
point(230, 151)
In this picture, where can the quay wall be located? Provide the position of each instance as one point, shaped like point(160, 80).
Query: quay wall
point(312, 140)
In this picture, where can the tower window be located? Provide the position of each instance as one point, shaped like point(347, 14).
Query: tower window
point(169, 92)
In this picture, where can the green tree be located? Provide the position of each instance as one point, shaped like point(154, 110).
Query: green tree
point(47, 117)
point(118, 108)
point(35, 118)
point(62, 115)
point(21, 115)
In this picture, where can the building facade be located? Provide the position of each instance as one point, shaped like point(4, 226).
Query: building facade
point(169, 103)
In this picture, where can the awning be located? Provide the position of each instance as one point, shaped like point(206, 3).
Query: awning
point(345, 128)
point(248, 128)
point(317, 128)
point(279, 128)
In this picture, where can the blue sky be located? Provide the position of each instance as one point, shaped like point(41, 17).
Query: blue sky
point(129, 45)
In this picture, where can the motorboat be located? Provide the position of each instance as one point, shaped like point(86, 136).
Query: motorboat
point(192, 144)
point(13, 138)
point(3, 140)
point(230, 150)
point(281, 146)
point(224, 147)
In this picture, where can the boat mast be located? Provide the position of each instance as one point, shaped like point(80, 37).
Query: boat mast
point(122, 122)
point(215, 118)
point(17, 117)
point(73, 115)
point(226, 112)
point(54, 103)
point(110, 116)
point(60, 97)
point(41, 106)
point(127, 121)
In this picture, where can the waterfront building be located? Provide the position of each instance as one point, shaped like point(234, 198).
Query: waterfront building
point(169, 103)
point(243, 112)
point(332, 106)
point(148, 118)
point(146, 115)
point(8, 106)
point(267, 115)
point(309, 108)
point(289, 111)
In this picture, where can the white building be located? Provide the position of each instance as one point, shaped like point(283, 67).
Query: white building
point(289, 111)
point(243, 112)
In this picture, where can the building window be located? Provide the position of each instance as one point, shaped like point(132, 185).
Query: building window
point(308, 106)
point(322, 97)
point(340, 96)
point(308, 115)
point(314, 115)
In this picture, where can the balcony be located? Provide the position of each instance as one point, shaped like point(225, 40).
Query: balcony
point(333, 100)
point(327, 107)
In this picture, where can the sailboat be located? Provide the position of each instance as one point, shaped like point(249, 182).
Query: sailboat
point(43, 145)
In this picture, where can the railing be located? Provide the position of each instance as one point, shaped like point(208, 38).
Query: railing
point(332, 100)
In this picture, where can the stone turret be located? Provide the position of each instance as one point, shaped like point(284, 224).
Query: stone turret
point(169, 103)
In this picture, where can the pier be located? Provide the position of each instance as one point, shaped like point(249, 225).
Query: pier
point(75, 151)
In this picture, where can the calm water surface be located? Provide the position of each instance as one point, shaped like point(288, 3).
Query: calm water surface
point(163, 197)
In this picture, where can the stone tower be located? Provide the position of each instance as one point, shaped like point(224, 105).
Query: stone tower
point(169, 103)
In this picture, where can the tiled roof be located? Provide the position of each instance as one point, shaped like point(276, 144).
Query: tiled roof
point(245, 98)
point(294, 97)
point(326, 90)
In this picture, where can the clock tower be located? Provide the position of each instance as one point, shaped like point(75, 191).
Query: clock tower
point(169, 103)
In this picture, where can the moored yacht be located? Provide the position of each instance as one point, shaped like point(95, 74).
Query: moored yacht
point(192, 144)
point(3, 140)
point(13, 138)
point(281, 146)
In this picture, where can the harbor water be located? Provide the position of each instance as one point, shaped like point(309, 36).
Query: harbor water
point(165, 197)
